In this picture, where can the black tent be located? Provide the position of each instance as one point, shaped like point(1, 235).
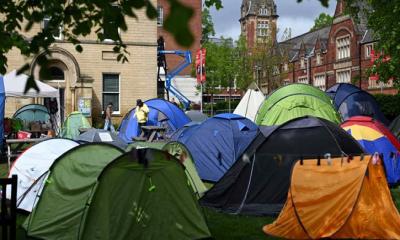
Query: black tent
point(258, 183)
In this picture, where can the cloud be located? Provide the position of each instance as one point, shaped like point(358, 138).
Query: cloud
point(298, 17)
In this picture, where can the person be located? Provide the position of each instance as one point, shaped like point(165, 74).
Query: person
point(141, 113)
point(107, 118)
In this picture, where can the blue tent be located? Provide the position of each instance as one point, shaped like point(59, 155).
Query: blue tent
point(162, 113)
point(217, 143)
point(351, 101)
point(2, 106)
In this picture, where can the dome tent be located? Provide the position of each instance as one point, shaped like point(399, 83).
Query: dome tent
point(294, 101)
point(196, 116)
point(179, 151)
point(161, 112)
point(359, 206)
point(351, 101)
point(217, 143)
point(72, 124)
point(100, 135)
point(145, 197)
point(33, 112)
point(374, 137)
point(258, 183)
point(61, 206)
point(32, 168)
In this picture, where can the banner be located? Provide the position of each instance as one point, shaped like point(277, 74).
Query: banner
point(201, 65)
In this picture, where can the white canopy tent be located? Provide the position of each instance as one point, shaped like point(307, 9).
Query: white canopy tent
point(250, 103)
point(14, 86)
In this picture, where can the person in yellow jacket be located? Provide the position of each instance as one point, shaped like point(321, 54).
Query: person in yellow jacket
point(141, 113)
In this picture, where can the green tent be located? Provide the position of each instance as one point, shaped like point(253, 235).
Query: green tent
point(147, 200)
point(72, 124)
point(179, 151)
point(294, 101)
point(61, 206)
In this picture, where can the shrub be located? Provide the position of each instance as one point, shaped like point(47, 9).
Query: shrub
point(389, 104)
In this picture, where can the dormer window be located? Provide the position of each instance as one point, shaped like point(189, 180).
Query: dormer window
point(319, 60)
point(302, 63)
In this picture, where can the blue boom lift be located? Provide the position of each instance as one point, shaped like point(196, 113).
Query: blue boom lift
point(169, 75)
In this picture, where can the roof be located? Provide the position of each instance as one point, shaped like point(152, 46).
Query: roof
point(251, 6)
point(308, 40)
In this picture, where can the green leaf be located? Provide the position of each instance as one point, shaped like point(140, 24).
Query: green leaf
point(78, 48)
point(177, 23)
point(31, 84)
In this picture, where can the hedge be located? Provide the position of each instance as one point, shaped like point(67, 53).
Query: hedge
point(389, 104)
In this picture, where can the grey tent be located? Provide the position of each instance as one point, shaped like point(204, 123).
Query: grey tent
point(196, 116)
point(100, 135)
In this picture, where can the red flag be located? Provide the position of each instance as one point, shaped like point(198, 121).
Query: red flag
point(201, 65)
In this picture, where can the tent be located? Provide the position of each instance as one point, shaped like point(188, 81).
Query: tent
point(217, 143)
point(375, 137)
point(351, 101)
point(100, 135)
point(13, 85)
point(62, 204)
point(395, 127)
point(258, 183)
point(293, 101)
point(32, 113)
point(250, 103)
point(32, 167)
point(338, 200)
point(196, 116)
point(181, 153)
point(72, 124)
point(144, 198)
point(162, 113)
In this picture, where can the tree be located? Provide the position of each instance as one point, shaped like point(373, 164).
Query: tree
point(207, 25)
point(383, 20)
point(79, 18)
point(323, 20)
point(244, 64)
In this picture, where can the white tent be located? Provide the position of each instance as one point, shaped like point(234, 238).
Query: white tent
point(250, 103)
point(14, 86)
point(32, 169)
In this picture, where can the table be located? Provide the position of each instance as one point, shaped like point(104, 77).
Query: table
point(151, 132)
point(20, 143)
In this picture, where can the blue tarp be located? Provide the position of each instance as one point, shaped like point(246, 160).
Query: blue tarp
point(162, 113)
point(217, 143)
point(2, 106)
point(351, 101)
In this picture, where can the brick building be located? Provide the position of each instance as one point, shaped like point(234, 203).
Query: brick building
point(184, 82)
point(95, 74)
point(340, 53)
point(258, 20)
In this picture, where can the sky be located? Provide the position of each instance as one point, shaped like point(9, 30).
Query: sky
point(297, 16)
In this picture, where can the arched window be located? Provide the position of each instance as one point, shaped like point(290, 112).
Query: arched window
point(56, 73)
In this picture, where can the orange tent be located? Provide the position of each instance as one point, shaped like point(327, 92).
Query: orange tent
point(338, 198)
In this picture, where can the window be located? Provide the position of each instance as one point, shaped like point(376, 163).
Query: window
point(56, 74)
point(302, 79)
point(302, 63)
point(263, 11)
point(111, 90)
point(57, 33)
point(319, 60)
point(110, 31)
point(319, 81)
point(160, 16)
point(343, 76)
point(285, 67)
point(262, 28)
point(343, 47)
point(368, 50)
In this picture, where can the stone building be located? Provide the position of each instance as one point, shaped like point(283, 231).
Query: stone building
point(95, 75)
point(340, 53)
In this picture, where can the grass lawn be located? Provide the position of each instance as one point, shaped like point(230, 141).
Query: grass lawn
point(222, 226)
